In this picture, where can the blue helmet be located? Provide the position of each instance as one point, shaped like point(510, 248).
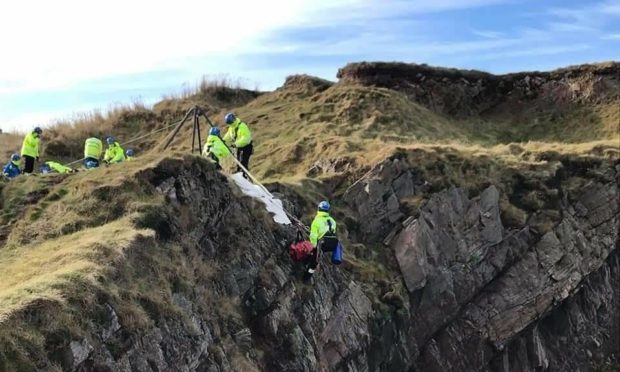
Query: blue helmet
point(15, 157)
point(37, 130)
point(129, 152)
point(215, 131)
point(45, 168)
point(91, 164)
point(229, 118)
point(109, 140)
point(324, 206)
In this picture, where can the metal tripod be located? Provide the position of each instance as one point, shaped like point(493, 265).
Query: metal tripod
point(195, 113)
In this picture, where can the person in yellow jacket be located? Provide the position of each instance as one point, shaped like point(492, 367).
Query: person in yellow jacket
point(214, 149)
point(114, 153)
point(93, 147)
point(239, 136)
point(30, 149)
point(129, 155)
point(322, 236)
point(52, 166)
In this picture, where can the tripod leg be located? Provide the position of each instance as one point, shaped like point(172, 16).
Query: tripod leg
point(194, 133)
point(198, 130)
point(178, 128)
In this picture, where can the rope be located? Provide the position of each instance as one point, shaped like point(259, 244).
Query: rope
point(137, 138)
point(294, 219)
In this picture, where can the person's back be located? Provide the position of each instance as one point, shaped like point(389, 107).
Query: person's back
point(93, 147)
point(323, 226)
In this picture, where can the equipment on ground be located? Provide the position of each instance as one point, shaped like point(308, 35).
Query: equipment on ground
point(44, 168)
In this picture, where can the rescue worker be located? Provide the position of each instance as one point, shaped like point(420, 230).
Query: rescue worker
point(322, 237)
point(114, 153)
point(11, 169)
point(92, 152)
point(239, 136)
point(214, 149)
point(52, 166)
point(30, 149)
point(129, 154)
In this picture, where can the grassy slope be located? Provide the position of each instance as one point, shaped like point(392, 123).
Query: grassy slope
point(73, 228)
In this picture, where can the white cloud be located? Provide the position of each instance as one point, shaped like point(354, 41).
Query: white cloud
point(611, 37)
point(56, 43)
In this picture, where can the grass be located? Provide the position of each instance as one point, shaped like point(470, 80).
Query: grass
point(72, 233)
point(39, 272)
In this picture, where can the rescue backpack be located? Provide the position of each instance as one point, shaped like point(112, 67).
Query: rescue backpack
point(329, 241)
point(300, 249)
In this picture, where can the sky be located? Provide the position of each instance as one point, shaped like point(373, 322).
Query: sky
point(63, 57)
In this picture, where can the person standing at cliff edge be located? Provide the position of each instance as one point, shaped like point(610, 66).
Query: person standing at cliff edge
point(238, 135)
point(30, 149)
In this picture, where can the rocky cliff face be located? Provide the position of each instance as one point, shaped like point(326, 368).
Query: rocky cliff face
point(477, 295)
point(465, 93)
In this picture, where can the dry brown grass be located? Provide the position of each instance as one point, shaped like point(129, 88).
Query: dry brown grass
point(39, 272)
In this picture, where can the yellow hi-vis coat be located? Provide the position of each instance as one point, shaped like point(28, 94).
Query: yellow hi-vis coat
point(114, 154)
point(238, 133)
point(320, 227)
point(57, 167)
point(30, 146)
point(93, 148)
point(215, 146)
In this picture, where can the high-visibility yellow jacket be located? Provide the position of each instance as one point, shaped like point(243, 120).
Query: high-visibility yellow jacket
point(238, 133)
point(30, 146)
point(114, 154)
point(93, 148)
point(320, 226)
point(216, 147)
point(57, 167)
point(128, 158)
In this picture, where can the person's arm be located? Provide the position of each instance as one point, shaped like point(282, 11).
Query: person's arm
point(314, 233)
point(228, 137)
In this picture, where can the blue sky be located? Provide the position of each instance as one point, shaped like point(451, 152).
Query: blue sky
point(73, 56)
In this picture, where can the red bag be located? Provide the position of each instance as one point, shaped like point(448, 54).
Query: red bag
point(300, 248)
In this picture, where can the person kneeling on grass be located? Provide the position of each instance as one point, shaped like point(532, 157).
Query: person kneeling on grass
point(114, 153)
point(92, 152)
point(11, 169)
point(214, 149)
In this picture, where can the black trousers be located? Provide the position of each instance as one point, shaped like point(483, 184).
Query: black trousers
point(243, 154)
point(29, 164)
point(324, 245)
